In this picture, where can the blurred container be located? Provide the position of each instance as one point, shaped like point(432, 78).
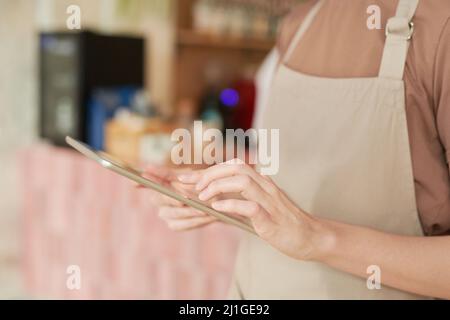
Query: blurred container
point(102, 107)
point(129, 137)
point(238, 18)
point(155, 148)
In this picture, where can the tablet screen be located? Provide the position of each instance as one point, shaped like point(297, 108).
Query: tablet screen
point(126, 170)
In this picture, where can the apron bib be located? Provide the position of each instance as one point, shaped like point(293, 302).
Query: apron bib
point(344, 155)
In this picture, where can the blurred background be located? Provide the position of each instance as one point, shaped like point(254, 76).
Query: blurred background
point(133, 72)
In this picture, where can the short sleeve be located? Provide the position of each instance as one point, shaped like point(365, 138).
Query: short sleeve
point(441, 97)
point(442, 89)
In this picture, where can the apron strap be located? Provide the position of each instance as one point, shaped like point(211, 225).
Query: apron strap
point(399, 31)
point(302, 29)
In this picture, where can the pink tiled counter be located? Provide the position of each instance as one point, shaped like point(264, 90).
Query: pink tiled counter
point(76, 213)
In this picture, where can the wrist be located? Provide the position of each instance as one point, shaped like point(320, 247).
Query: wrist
point(323, 240)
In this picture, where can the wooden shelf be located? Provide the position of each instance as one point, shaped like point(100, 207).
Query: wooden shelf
point(193, 38)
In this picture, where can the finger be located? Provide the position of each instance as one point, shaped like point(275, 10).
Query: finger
point(189, 224)
point(159, 172)
point(226, 169)
point(242, 184)
point(190, 177)
point(186, 190)
point(179, 213)
point(233, 184)
point(158, 199)
point(183, 186)
point(260, 218)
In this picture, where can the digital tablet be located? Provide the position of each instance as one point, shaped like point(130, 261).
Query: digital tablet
point(127, 171)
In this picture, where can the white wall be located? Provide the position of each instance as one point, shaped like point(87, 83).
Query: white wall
point(17, 124)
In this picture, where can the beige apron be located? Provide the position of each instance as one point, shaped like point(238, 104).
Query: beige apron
point(344, 155)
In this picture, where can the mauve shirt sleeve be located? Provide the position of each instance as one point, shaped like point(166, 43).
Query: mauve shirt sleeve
point(442, 102)
point(442, 88)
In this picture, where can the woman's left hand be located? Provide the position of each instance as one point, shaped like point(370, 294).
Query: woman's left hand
point(275, 218)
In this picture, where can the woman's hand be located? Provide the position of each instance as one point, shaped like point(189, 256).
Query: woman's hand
point(274, 216)
point(178, 216)
point(345, 247)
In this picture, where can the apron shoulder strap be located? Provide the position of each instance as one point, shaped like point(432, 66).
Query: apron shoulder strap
point(302, 29)
point(399, 31)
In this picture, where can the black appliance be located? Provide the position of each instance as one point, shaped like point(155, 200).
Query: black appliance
point(72, 66)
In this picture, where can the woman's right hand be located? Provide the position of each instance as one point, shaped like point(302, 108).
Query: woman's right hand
point(178, 216)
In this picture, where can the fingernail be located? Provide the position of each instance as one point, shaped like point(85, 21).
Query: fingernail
point(203, 196)
point(199, 186)
point(216, 205)
point(183, 177)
